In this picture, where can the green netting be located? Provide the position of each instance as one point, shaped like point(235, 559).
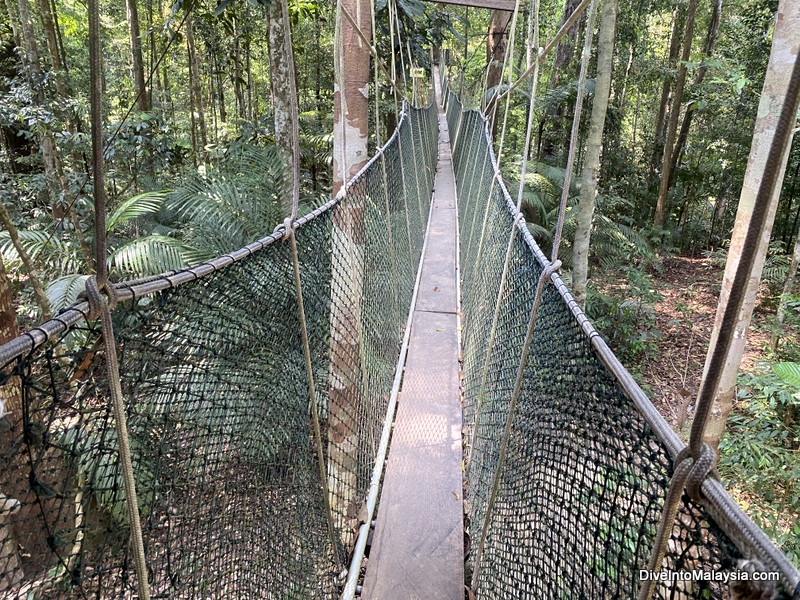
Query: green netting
point(586, 474)
point(218, 413)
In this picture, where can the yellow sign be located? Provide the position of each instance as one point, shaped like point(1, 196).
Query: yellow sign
point(418, 72)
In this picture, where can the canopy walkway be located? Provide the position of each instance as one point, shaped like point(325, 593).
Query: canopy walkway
point(257, 459)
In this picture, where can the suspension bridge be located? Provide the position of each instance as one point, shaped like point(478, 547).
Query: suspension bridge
point(411, 323)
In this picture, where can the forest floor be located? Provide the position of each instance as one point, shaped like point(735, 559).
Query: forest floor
point(684, 318)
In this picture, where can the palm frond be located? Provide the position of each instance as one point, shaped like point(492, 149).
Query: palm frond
point(149, 255)
point(133, 208)
point(63, 292)
point(43, 247)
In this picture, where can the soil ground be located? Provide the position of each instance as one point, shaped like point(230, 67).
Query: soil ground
point(685, 317)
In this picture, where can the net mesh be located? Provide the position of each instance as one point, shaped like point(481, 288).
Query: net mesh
point(583, 485)
point(218, 412)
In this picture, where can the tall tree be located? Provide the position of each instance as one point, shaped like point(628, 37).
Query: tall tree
point(678, 17)
point(708, 51)
point(196, 87)
point(279, 73)
point(496, 47)
point(663, 185)
point(350, 154)
point(350, 98)
point(57, 65)
point(137, 64)
point(24, 32)
point(594, 144)
point(784, 53)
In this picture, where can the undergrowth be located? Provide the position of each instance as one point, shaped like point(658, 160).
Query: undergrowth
point(760, 453)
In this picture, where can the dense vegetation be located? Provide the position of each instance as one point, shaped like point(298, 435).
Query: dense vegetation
point(194, 168)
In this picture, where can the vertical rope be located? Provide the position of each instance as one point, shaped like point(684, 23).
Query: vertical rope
point(290, 234)
point(576, 124)
point(543, 278)
point(96, 100)
point(508, 61)
point(695, 462)
point(389, 231)
point(533, 42)
point(547, 272)
point(103, 310)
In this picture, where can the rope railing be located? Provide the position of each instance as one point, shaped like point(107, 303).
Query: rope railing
point(574, 510)
point(231, 402)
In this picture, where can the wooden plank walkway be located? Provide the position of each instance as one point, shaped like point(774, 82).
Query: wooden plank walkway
point(417, 550)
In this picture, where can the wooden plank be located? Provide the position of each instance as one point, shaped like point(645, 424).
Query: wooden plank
point(490, 4)
point(417, 550)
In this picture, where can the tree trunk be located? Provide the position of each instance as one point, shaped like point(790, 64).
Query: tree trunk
point(152, 58)
point(38, 290)
point(279, 73)
point(54, 173)
point(196, 86)
point(496, 46)
point(251, 111)
point(663, 187)
point(559, 117)
point(350, 98)
point(10, 419)
point(238, 80)
point(594, 144)
point(674, 48)
point(350, 154)
point(52, 46)
point(708, 51)
point(788, 286)
point(223, 113)
point(785, 47)
point(137, 64)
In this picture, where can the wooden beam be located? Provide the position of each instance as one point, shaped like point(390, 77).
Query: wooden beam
point(490, 4)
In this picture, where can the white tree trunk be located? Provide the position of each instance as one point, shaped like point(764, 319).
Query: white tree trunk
point(591, 165)
point(785, 47)
point(279, 74)
point(350, 154)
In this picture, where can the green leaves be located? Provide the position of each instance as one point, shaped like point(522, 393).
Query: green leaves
point(63, 292)
point(150, 255)
point(147, 203)
point(789, 372)
point(96, 454)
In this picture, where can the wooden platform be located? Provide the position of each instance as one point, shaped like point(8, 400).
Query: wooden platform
point(417, 549)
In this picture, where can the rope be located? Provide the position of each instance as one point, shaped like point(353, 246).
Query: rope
point(547, 272)
point(696, 461)
point(533, 41)
point(290, 228)
point(689, 475)
point(559, 34)
point(98, 151)
point(576, 124)
point(377, 62)
point(99, 308)
point(507, 60)
point(371, 47)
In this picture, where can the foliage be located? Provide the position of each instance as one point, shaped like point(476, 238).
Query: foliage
point(615, 238)
point(625, 316)
point(789, 346)
point(95, 448)
point(759, 455)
